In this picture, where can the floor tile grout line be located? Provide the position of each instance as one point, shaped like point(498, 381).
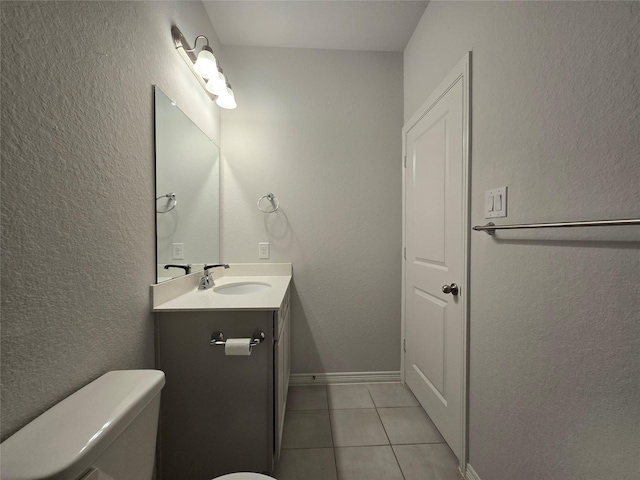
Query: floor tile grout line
point(367, 408)
point(419, 443)
point(348, 408)
point(314, 410)
point(363, 446)
point(388, 438)
point(391, 445)
point(369, 445)
point(305, 448)
point(351, 408)
point(401, 406)
point(333, 442)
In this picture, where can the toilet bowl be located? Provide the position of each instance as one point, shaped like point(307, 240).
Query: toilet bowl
point(105, 430)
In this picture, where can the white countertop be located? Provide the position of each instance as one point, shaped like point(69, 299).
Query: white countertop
point(209, 300)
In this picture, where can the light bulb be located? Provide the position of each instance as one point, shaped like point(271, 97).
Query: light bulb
point(206, 65)
point(227, 100)
point(217, 85)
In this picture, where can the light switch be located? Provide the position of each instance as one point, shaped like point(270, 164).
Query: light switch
point(489, 203)
point(495, 201)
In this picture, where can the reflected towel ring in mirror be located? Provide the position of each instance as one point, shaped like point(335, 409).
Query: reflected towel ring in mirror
point(274, 201)
point(172, 198)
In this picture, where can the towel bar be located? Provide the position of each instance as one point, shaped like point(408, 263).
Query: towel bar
point(490, 228)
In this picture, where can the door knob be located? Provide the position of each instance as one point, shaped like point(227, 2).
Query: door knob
point(452, 289)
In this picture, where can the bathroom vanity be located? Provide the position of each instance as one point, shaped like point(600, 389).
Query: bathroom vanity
point(223, 413)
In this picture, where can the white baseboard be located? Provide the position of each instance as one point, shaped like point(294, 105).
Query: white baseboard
point(297, 379)
point(471, 473)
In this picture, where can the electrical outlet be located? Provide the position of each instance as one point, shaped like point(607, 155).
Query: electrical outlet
point(263, 250)
point(178, 251)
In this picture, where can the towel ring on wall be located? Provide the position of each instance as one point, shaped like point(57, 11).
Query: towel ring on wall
point(274, 201)
point(172, 198)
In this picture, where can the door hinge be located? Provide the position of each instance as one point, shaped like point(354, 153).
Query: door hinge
point(405, 161)
point(404, 345)
point(404, 253)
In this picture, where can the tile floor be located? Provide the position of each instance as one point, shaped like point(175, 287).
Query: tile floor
point(361, 432)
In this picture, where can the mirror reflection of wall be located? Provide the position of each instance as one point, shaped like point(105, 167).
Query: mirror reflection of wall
point(187, 191)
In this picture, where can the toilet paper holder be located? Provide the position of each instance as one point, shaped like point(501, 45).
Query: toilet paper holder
point(217, 338)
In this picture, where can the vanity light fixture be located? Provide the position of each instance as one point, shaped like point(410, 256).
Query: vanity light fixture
point(206, 68)
point(218, 84)
point(206, 65)
point(227, 99)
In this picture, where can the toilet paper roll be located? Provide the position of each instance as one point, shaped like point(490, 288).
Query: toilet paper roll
point(237, 346)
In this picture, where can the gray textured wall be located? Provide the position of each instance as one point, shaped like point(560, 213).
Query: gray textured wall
point(321, 129)
point(555, 321)
point(78, 249)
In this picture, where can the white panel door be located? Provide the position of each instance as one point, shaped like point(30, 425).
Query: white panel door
point(435, 229)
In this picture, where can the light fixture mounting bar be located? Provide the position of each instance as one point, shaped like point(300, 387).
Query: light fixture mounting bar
point(188, 55)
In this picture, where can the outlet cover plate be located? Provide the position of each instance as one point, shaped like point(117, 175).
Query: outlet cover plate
point(178, 251)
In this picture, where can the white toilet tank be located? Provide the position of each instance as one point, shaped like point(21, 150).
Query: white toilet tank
point(104, 431)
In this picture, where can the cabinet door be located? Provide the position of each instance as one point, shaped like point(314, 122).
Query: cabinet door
point(279, 390)
point(282, 367)
point(217, 414)
point(286, 355)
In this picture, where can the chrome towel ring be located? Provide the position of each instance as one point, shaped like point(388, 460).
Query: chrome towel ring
point(172, 198)
point(274, 202)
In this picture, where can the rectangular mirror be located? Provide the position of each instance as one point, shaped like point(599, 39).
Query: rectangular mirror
point(187, 192)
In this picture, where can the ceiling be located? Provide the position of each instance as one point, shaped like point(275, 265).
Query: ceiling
point(336, 24)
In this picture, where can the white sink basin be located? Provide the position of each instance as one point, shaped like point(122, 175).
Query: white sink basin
point(241, 288)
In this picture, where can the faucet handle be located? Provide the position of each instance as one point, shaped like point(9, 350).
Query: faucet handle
point(186, 268)
point(207, 267)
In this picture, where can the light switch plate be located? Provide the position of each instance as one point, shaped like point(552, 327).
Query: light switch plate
point(495, 202)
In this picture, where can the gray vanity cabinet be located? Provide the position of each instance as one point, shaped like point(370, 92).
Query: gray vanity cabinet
point(221, 414)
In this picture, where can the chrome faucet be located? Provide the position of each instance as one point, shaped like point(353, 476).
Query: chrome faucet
point(206, 281)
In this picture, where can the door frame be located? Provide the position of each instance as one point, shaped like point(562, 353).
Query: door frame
point(461, 70)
